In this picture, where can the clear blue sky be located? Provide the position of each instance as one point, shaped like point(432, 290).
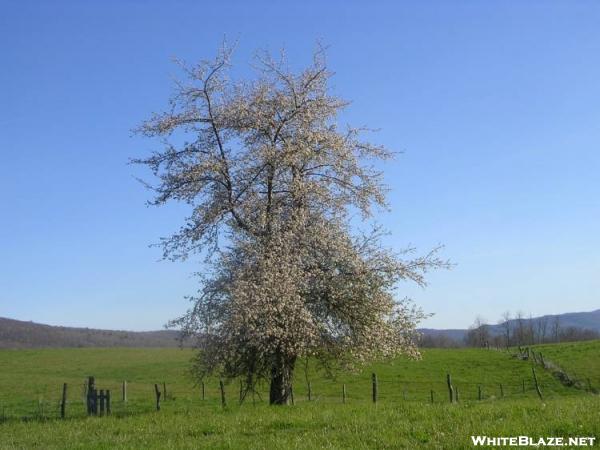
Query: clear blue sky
point(496, 106)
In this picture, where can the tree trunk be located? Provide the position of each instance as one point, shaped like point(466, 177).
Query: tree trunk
point(282, 371)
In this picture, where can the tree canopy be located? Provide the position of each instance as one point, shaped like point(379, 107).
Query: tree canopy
point(272, 181)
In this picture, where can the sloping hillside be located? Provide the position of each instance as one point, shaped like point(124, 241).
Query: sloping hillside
point(581, 360)
point(20, 334)
point(588, 320)
point(580, 320)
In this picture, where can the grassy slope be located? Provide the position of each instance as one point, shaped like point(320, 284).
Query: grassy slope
point(579, 359)
point(186, 420)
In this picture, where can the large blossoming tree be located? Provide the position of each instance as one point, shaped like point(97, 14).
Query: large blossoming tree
point(272, 181)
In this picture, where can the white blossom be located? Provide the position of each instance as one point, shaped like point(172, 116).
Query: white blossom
point(266, 169)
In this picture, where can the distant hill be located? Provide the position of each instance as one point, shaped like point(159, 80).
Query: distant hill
point(582, 320)
point(588, 320)
point(20, 334)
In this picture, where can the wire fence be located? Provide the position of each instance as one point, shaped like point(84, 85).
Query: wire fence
point(128, 398)
point(52, 400)
point(564, 376)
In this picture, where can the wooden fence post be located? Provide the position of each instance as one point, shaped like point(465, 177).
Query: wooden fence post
point(431, 394)
point(164, 391)
point(108, 402)
point(102, 400)
point(309, 392)
point(375, 390)
point(344, 393)
point(241, 392)
point(501, 391)
point(157, 393)
point(450, 388)
point(479, 396)
point(63, 402)
point(222, 387)
point(537, 386)
point(124, 391)
point(90, 396)
point(203, 392)
point(95, 401)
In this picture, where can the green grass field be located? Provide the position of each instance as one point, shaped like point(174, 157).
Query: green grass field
point(579, 359)
point(404, 417)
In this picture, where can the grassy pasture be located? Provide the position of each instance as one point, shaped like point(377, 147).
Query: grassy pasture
point(578, 359)
point(31, 381)
point(312, 426)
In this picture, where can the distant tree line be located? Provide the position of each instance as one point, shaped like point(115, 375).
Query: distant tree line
point(521, 330)
point(439, 341)
point(509, 331)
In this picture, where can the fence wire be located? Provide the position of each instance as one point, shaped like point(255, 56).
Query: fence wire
point(185, 397)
